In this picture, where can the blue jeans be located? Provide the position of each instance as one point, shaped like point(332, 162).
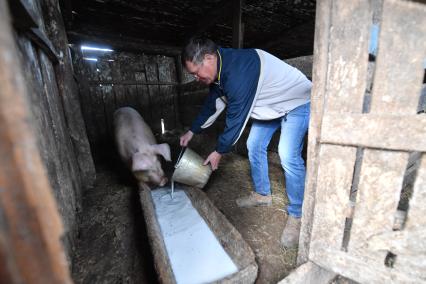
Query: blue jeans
point(294, 126)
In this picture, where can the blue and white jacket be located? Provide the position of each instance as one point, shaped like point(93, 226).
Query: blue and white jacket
point(251, 83)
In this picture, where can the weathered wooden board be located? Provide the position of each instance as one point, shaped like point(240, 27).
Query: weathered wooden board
point(143, 97)
point(147, 83)
point(68, 92)
point(167, 74)
point(401, 54)
point(30, 224)
point(309, 273)
point(65, 162)
point(157, 111)
point(321, 44)
point(335, 174)
point(383, 245)
point(393, 132)
point(410, 245)
point(348, 66)
point(360, 270)
point(378, 194)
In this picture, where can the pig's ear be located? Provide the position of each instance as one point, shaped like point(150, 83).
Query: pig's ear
point(163, 150)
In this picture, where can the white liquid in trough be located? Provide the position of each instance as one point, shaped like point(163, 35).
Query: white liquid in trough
point(195, 254)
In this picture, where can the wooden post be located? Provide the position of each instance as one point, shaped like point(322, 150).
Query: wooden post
point(319, 76)
point(30, 226)
point(237, 33)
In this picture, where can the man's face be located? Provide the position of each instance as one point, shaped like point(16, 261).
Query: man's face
point(206, 71)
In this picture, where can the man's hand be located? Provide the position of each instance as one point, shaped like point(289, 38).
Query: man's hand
point(213, 159)
point(184, 139)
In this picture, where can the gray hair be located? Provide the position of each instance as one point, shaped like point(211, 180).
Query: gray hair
point(196, 48)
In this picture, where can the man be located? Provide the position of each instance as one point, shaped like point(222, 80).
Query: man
point(252, 83)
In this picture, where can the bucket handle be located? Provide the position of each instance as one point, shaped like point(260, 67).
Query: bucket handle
point(180, 156)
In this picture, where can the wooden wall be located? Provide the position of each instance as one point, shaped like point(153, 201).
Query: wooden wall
point(148, 83)
point(56, 118)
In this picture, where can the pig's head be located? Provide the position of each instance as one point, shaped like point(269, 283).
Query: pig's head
point(147, 167)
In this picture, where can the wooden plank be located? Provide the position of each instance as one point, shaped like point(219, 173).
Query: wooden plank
point(407, 243)
point(143, 97)
point(119, 90)
point(65, 162)
point(31, 250)
point(154, 94)
point(360, 270)
point(401, 53)
point(69, 93)
point(320, 61)
point(237, 32)
point(127, 73)
point(379, 188)
point(309, 273)
point(132, 82)
point(348, 66)
point(109, 105)
point(165, 67)
point(411, 247)
point(375, 131)
point(98, 110)
point(334, 183)
point(123, 43)
point(216, 15)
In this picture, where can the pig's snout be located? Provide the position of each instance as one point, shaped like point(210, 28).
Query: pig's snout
point(163, 181)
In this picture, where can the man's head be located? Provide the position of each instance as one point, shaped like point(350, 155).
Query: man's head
point(200, 59)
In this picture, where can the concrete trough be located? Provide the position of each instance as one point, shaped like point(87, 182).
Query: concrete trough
point(229, 238)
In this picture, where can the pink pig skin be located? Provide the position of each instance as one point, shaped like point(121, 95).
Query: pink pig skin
point(137, 147)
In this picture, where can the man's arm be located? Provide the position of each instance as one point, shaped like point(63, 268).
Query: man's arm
point(208, 110)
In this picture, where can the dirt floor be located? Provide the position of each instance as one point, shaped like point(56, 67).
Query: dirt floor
point(261, 227)
point(113, 246)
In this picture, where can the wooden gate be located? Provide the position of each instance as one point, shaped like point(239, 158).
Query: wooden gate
point(362, 141)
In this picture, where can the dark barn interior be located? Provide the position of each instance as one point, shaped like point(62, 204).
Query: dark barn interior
point(82, 60)
point(144, 71)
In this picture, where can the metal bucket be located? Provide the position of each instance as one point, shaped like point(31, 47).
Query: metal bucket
point(189, 169)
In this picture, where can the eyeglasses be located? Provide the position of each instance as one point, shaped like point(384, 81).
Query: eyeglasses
point(198, 70)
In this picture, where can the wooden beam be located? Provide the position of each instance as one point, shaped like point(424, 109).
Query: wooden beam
point(319, 76)
point(40, 39)
point(67, 12)
point(30, 226)
point(237, 33)
point(223, 11)
point(23, 15)
point(286, 35)
point(132, 82)
point(392, 132)
point(122, 43)
point(309, 273)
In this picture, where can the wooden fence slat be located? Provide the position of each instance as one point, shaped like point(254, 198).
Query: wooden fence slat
point(411, 247)
point(165, 69)
point(360, 270)
point(376, 131)
point(99, 119)
point(154, 93)
point(30, 226)
point(402, 50)
point(319, 76)
point(348, 66)
point(408, 244)
point(109, 104)
point(379, 188)
point(335, 174)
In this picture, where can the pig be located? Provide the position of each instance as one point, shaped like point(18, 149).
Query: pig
point(138, 149)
